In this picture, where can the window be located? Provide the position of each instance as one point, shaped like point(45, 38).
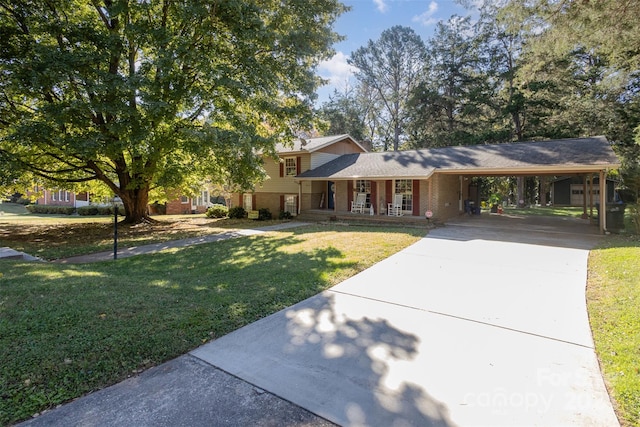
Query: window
point(364, 186)
point(290, 167)
point(54, 196)
point(290, 204)
point(405, 187)
point(184, 200)
point(202, 198)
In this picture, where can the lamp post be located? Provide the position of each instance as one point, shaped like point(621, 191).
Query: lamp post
point(116, 200)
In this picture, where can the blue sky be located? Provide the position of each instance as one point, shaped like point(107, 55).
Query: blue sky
point(368, 19)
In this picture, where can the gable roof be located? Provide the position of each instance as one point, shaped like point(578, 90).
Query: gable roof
point(310, 145)
point(576, 155)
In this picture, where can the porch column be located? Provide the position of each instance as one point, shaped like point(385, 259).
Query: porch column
point(591, 197)
point(430, 189)
point(603, 203)
point(459, 194)
point(584, 196)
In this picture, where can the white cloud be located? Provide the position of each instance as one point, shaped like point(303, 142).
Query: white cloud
point(381, 5)
point(426, 18)
point(336, 70)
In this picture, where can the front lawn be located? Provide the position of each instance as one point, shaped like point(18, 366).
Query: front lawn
point(613, 299)
point(66, 330)
point(52, 237)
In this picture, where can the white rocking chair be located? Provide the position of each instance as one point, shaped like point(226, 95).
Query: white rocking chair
point(395, 208)
point(357, 206)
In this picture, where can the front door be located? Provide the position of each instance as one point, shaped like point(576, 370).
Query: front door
point(331, 192)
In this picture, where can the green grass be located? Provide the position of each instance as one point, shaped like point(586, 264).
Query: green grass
point(613, 299)
point(52, 237)
point(66, 330)
point(548, 211)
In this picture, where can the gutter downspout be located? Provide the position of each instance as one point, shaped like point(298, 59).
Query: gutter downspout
point(299, 197)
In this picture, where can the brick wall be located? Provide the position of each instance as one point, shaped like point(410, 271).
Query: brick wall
point(444, 201)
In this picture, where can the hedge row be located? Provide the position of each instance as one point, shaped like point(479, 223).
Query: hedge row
point(70, 210)
point(98, 210)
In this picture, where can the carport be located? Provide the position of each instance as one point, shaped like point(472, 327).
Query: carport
point(438, 174)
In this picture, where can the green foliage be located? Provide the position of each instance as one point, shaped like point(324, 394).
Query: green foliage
point(237, 212)
point(634, 215)
point(390, 68)
point(613, 301)
point(147, 94)
point(285, 215)
point(98, 210)
point(217, 211)
point(446, 106)
point(345, 113)
point(264, 214)
point(51, 209)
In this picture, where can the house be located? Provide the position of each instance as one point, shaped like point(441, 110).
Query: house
point(283, 191)
point(203, 200)
point(571, 190)
point(59, 197)
point(327, 173)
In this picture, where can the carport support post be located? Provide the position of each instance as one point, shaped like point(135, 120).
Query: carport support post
point(603, 202)
point(591, 198)
point(584, 196)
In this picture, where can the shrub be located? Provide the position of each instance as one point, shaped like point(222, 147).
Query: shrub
point(634, 214)
point(264, 214)
point(217, 211)
point(99, 210)
point(51, 209)
point(285, 215)
point(87, 210)
point(237, 212)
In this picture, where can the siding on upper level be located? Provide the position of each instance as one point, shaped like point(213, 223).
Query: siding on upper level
point(320, 158)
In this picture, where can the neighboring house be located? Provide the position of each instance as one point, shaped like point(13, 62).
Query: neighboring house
point(571, 190)
point(198, 204)
point(60, 197)
point(283, 191)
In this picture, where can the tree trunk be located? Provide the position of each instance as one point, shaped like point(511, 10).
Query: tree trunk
point(521, 196)
point(544, 187)
point(135, 205)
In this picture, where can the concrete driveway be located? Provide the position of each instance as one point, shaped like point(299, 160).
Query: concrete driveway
point(483, 322)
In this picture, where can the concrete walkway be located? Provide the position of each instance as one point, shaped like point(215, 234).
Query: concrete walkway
point(157, 247)
point(467, 327)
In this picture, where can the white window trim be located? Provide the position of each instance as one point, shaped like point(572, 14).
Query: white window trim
point(406, 196)
point(247, 201)
point(290, 170)
point(291, 201)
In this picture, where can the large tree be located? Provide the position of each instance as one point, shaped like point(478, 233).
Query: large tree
point(142, 94)
point(392, 67)
point(447, 105)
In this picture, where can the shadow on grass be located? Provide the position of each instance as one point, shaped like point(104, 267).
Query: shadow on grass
point(68, 330)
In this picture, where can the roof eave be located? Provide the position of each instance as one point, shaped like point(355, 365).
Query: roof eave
point(522, 170)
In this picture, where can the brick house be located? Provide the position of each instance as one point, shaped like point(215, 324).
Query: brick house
point(327, 174)
point(186, 205)
point(60, 197)
point(282, 190)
